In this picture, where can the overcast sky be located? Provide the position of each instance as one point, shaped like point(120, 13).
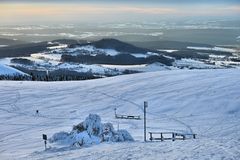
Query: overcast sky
point(45, 11)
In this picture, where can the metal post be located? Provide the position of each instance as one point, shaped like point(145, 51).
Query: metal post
point(173, 136)
point(115, 112)
point(45, 142)
point(145, 106)
point(118, 126)
point(194, 136)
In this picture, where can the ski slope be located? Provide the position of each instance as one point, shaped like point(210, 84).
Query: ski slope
point(206, 102)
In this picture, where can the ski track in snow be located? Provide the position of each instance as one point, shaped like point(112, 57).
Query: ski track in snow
point(181, 101)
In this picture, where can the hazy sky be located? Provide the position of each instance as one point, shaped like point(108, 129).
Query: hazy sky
point(74, 11)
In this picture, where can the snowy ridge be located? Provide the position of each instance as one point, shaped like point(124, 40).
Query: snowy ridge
point(205, 102)
point(6, 70)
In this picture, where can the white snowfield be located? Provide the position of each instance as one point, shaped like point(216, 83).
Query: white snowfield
point(213, 49)
point(205, 102)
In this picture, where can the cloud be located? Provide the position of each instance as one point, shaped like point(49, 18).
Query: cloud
point(36, 10)
point(49, 12)
point(148, 10)
point(125, 1)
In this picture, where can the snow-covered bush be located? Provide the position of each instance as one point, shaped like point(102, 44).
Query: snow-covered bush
point(93, 124)
point(108, 132)
point(124, 135)
point(79, 128)
point(61, 137)
point(91, 131)
point(83, 138)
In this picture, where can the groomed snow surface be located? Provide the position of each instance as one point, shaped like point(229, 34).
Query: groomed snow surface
point(206, 102)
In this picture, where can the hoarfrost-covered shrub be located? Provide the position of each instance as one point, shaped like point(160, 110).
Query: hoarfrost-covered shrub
point(84, 138)
point(93, 124)
point(91, 131)
point(125, 135)
point(61, 137)
point(108, 127)
point(79, 127)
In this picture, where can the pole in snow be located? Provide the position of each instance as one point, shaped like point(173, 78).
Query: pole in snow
point(118, 126)
point(115, 112)
point(45, 140)
point(145, 106)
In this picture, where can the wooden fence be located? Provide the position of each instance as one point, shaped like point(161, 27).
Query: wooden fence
point(161, 136)
point(127, 117)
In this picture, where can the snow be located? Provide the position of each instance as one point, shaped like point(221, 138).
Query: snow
point(111, 52)
point(6, 70)
point(5, 61)
point(217, 56)
point(155, 67)
point(213, 49)
point(59, 46)
point(55, 57)
point(167, 50)
point(3, 45)
point(94, 68)
point(205, 102)
point(123, 67)
point(139, 55)
point(152, 54)
point(186, 63)
point(90, 48)
point(141, 68)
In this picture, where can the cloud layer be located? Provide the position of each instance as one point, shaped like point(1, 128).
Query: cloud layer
point(82, 10)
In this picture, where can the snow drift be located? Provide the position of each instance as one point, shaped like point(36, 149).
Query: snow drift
point(91, 131)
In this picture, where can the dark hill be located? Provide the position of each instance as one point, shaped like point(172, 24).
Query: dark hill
point(118, 45)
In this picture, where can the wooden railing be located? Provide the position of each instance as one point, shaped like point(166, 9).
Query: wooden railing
point(169, 136)
point(127, 117)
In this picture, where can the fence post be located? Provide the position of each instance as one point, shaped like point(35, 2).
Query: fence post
point(194, 136)
point(184, 137)
point(151, 138)
point(173, 136)
point(145, 106)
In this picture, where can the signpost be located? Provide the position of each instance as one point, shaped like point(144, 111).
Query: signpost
point(45, 140)
point(145, 106)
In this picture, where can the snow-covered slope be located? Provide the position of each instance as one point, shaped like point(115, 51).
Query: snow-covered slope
point(206, 102)
point(6, 70)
